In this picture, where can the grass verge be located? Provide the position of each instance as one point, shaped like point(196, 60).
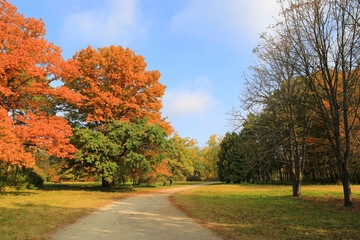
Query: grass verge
point(35, 214)
point(270, 212)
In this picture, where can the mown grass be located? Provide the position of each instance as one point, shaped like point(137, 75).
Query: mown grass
point(35, 214)
point(270, 212)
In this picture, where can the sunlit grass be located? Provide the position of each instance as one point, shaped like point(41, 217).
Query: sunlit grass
point(270, 212)
point(34, 214)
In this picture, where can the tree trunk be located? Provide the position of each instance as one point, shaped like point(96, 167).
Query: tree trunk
point(332, 177)
point(346, 185)
point(106, 183)
point(313, 176)
point(8, 170)
point(296, 185)
point(123, 180)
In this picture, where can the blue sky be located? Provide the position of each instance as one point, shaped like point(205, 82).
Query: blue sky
point(201, 47)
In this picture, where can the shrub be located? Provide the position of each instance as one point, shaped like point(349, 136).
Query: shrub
point(212, 179)
point(34, 180)
point(193, 178)
point(26, 178)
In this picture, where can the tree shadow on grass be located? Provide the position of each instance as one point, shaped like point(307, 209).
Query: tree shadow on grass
point(335, 204)
point(98, 188)
point(85, 187)
point(16, 193)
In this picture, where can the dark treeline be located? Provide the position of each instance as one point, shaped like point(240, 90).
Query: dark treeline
point(257, 154)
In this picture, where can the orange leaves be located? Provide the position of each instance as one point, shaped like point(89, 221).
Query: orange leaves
point(47, 132)
point(11, 150)
point(67, 94)
point(163, 168)
point(28, 61)
point(101, 85)
point(25, 51)
point(116, 86)
point(28, 64)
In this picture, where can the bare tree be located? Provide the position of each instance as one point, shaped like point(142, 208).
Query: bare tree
point(273, 83)
point(324, 38)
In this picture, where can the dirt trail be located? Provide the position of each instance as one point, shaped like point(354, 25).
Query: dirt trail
point(148, 216)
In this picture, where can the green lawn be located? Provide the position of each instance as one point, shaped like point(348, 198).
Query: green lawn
point(34, 214)
point(270, 212)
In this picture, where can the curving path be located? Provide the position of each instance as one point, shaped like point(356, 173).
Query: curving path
point(148, 216)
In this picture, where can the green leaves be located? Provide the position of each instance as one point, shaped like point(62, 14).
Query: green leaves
point(126, 147)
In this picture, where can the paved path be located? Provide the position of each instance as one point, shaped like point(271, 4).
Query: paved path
point(148, 216)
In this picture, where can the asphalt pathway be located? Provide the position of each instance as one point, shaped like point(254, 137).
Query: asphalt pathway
point(148, 216)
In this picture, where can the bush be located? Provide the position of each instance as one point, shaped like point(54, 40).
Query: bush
point(2, 183)
point(193, 178)
point(212, 179)
point(20, 179)
point(34, 180)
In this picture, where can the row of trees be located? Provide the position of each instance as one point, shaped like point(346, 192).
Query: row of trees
point(305, 90)
point(102, 120)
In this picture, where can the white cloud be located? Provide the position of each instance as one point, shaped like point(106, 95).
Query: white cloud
point(194, 111)
point(225, 19)
point(182, 103)
point(117, 21)
point(190, 98)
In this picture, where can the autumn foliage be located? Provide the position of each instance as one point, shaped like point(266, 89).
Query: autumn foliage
point(11, 150)
point(115, 85)
point(110, 126)
point(28, 64)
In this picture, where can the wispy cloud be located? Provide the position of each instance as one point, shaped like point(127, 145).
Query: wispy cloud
point(117, 22)
point(190, 98)
point(226, 19)
point(182, 103)
point(193, 109)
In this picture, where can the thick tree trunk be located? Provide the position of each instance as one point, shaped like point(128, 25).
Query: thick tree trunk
point(296, 188)
point(296, 179)
point(296, 184)
point(105, 183)
point(346, 185)
point(342, 160)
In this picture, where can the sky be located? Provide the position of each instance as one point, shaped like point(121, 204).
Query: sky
point(202, 48)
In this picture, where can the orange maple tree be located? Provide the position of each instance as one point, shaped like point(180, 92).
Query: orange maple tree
point(28, 64)
point(11, 150)
point(115, 85)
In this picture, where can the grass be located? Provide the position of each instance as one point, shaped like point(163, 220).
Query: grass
point(270, 212)
point(35, 214)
